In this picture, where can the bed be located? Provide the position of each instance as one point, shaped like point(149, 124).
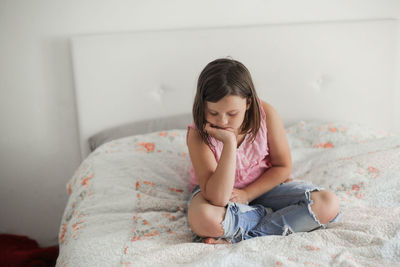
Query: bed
point(128, 198)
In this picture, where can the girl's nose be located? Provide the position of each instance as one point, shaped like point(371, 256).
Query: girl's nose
point(223, 120)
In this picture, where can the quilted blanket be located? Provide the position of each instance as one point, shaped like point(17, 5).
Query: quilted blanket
point(128, 200)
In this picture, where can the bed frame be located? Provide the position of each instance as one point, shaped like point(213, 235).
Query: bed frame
point(308, 71)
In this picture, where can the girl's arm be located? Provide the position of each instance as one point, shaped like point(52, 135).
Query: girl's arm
point(216, 180)
point(279, 152)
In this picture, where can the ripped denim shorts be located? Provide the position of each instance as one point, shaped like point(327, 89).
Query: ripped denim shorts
point(281, 211)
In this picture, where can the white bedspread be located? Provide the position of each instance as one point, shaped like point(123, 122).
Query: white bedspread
point(127, 204)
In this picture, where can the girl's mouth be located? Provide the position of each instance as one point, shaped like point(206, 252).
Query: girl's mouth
point(215, 126)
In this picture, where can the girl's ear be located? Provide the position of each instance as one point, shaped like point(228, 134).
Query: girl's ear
point(248, 103)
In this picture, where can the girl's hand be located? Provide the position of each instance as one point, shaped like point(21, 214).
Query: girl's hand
point(239, 196)
point(223, 135)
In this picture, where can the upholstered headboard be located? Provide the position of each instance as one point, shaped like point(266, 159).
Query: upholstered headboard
point(307, 71)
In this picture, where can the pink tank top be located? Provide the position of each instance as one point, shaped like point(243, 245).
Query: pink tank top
point(252, 159)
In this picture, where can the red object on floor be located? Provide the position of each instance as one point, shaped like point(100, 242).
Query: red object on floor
point(18, 250)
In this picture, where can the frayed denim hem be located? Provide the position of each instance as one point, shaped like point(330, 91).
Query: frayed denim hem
point(310, 202)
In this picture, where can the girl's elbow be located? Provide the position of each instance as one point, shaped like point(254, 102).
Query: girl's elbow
point(216, 201)
point(289, 172)
point(219, 203)
point(288, 169)
point(286, 174)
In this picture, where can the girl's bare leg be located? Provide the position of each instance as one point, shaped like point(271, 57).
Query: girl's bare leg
point(199, 213)
point(204, 218)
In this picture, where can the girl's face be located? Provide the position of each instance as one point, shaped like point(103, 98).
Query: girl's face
point(227, 113)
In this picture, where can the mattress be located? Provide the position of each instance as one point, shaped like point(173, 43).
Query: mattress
point(128, 200)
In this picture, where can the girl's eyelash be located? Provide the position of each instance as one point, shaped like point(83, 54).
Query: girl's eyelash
point(215, 114)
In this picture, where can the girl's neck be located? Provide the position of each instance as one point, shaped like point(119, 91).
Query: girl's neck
point(240, 138)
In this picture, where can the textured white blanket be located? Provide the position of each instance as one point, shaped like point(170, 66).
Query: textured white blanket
point(127, 204)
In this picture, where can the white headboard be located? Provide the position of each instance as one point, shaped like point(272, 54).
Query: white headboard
point(325, 71)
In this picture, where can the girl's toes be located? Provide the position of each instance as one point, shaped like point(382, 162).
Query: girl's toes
point(211, 240)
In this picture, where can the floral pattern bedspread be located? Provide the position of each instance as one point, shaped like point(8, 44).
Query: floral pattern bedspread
point(128, 200)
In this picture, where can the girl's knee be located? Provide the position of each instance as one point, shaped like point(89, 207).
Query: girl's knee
point(325, 205)
point(206, 220)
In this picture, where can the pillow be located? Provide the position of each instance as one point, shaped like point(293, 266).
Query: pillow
point(141, 127)
point(317, 134)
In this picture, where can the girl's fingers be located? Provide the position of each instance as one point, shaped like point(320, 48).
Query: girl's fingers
point(210, 130)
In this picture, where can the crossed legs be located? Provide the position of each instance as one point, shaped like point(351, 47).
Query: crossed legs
point(206, 219)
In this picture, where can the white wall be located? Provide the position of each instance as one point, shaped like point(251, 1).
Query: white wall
point(39, 136)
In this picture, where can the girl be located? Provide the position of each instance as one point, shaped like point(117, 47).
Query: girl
point(241, 165)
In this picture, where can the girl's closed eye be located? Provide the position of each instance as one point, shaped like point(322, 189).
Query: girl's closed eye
point(229, 114)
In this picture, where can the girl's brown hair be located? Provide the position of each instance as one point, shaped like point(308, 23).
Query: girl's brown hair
point(220, 78)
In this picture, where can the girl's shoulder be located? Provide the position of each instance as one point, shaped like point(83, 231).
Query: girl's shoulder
point(273, 120)
point(265, 106)
point(269, 110)
point(192, 133)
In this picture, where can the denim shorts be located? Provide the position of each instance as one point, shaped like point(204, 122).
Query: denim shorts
point(281, 211)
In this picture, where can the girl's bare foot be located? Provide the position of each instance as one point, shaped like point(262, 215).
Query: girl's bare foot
point(211, 240)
